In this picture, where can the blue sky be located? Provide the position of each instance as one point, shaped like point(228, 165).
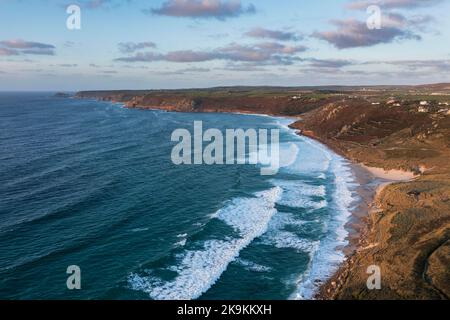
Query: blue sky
point(202, 43)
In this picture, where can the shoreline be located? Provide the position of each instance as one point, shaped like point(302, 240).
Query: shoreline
point(403, 227)
point(370, 181)
point(363, 222)
point(367, 189)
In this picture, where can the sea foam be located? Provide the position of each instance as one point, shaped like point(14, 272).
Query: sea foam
point(278, 237)
point(298, 194)
point(252, 266)
point(328, 255)
point(198, 270)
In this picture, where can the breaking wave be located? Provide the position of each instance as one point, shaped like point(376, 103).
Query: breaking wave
point(198, 270)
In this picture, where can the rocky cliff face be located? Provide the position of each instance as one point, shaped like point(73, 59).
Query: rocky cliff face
point(167, 103)
point(268, 104)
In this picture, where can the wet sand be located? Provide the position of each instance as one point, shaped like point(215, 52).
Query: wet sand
point(371, 182)
point(367, 188)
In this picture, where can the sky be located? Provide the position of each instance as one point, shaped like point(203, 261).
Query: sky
point(157, 44)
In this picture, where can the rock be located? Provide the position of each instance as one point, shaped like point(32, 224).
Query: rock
point(62, 95)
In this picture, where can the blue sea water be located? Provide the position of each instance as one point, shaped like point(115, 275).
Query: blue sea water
point(92, 184)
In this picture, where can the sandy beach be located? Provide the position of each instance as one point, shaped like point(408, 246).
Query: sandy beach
point(391, 175)
point(371, 181)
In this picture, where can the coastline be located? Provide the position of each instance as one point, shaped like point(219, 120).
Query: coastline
point(386, 195)
point(369, 180)
point(357, 223)
point(368, 185)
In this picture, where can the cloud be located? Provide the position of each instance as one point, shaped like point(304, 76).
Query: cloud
point(129, 47)
point(194, 70)
point(32, 70)
point(271, 52)
point(219, 9)
point(17, 46)
point(415, 65)
point(21, 44)
point(184, 71)
point(327, 66)
point(102, 4)
point(8, 52)
point(392, 4)
point(94, 4)
point(45, 52)
point(219, 35)
point(352, 33)
point(385, 69)
point(330, 63)
point(173, 56)
point(189, 56)
point(273, 34)
point(69, 44)
point(67, 65)
point(141, 57)
point(243, 67)
point(264, 53)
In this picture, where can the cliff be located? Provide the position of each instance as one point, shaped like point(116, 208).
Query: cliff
point(284, 102)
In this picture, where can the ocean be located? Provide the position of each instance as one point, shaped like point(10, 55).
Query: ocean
point(92, 184)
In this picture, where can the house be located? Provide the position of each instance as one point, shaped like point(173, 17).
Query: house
point(423, 103)
point(422, 110)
